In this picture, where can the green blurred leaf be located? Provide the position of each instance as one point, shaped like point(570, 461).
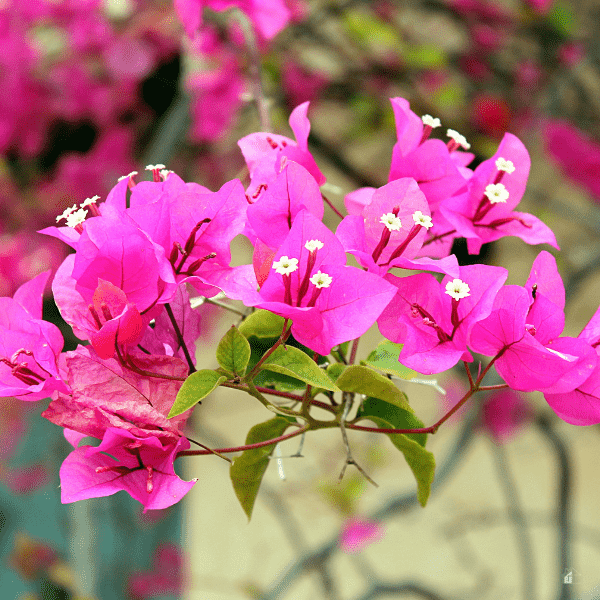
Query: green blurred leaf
point(369, 30)
point(197, 386)
point(295, 363)
point(424, 57)
point(562, 17)
point(248, 469)
point(362, 380)
point(385, 358)
point(420, 460)
point(233, 352)
point(262, 324)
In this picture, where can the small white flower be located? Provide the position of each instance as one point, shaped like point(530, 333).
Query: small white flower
point(313, 245)
point(496, 192)
point(420, 219)
point(127, 176)
point(321, 280)
point(505, 165)
point(76, 217)
point(457, 289)
point(153, 167)
point(458, 138)
point(431, 121)
point(391, 221)
point(89, 201)
point(66, 213)
point(285, 265)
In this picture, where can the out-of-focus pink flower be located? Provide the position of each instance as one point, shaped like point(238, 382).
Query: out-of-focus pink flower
point(570, 53)
point(165, 577)
point(359, 533)
point(491, 114)
point(577, 155)
point(216, 98)
point(540, 6)
point(528, 77)
point(300, 84)
point(504, 413)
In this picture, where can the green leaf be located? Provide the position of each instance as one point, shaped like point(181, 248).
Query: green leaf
point(385, 358)
point(295, 363)
point(262, 324)
point(197, 386)
point(420, 460)
point(334, 371)
point(233, 352)
point(361, 380)
point(398, 417)
point(248, 469)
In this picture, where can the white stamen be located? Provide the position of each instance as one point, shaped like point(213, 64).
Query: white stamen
point(420, 219)
point(457, 289)
point(321, 280)
point(505, 165)
point(76, 217)
point(153, 167)
point(126, 176)
point(458, 138)
point(285, 265)
point(313, 245)
point(66, 213)
point(165, 173)
point(391, 221)
point(433, 122)
point(89, 201)
point(496, 192)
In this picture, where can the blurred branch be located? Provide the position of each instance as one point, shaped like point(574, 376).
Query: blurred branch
point(517, 517)
point(563, 517)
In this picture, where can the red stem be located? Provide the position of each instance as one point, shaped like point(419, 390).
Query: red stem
point(276, 440)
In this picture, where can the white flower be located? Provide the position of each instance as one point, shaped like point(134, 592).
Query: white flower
point(420, 219)
point(505, 165)
point(89, 201)
point(153, 167)
point(321, 280)
point(431, 121)
point(126, 176)
point(285, 265)
point(391, 221)
point(313, 245)
point(458, 138)
point(496, 192)
point(76, 217)
point(457, 289)
point(66, 213)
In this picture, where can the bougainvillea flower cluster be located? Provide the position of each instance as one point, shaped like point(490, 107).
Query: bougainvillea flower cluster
point(140, 253)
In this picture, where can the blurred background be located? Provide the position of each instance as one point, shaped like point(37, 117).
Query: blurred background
point(95, 89)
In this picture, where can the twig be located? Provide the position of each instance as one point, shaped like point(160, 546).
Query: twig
point(349, 458)
point(180, 339)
